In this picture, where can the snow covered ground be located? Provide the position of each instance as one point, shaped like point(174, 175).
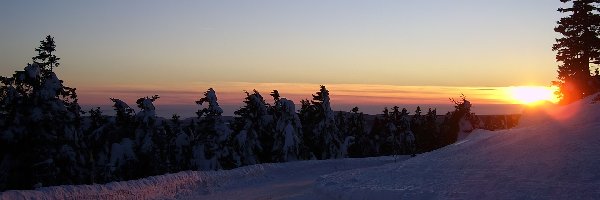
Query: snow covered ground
point(553, 154)
point(292, 180)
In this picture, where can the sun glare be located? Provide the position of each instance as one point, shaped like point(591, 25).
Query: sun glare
point(533, 94)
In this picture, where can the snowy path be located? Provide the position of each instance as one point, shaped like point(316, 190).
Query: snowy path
point(294, 180)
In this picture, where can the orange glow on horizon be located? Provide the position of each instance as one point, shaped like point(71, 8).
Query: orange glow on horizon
point(341, 94)
point(533, 95)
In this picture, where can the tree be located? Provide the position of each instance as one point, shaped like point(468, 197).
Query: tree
point(427, 138)
point(40, 135)
point(252, 127)
point(320, 130)
point(360, 146)
point(577, 49)
point(287, 139)
point(209, 144)
point(458, 122)
point(45, 58)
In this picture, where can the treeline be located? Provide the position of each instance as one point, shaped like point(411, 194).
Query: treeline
point(45, 138)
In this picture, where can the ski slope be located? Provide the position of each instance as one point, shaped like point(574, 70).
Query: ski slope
point(553, 154)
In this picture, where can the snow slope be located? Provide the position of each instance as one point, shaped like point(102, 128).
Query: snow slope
point(157, 187)
point(264, 181)
point(553, 154)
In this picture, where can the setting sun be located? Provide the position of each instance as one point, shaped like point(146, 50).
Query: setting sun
point(532, 94)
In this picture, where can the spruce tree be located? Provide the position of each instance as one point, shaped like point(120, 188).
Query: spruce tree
point(46, 58)
point(320, 130)
point(356, 130)
point(252, 127)
point(287, 139)
point(456, 122)
point(427, 139)
point(40, 136)
point(578, 47)
point(210, 150)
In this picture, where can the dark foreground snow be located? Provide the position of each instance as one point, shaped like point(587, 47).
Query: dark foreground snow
point(553, 154)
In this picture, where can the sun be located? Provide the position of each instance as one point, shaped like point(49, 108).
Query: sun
point(533, 94)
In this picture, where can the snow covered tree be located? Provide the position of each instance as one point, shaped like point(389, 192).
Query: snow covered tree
point(320, 131)
point(209, 144)
point(417, 118)
point(40, 127)
point(407, 136)
point(401, 128)
point(457, 123)
point(124, 112)
point(182, 151)
point(287, 141)
point(147, 115)
point(150, 140)
point(95, 139)
point(114, 146)
point(389, 139)
point(577, 49)
point(417, 127)
point(426, 140)
point(253, 125)
point(359, 141)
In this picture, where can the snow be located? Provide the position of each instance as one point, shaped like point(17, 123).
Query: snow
point(121, 153)
point(288, 124)
point(51, 86)
point(32, 70)
point(121, 105)
point(552, 154)
point(148, 111)
point(213, 105)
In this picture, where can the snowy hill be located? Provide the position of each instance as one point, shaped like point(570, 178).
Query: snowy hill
point(553, 154)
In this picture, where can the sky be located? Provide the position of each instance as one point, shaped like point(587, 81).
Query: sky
point(368, 53)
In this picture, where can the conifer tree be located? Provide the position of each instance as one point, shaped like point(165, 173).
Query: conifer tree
point(149, 139)
point(210, 148)
point(356, 130)
point(320, 130)
point(459, 121)
point(40, 137)
point(46, 58)
point(287, 139)
point(427, 139)
point(251, 126)
point(577, 49)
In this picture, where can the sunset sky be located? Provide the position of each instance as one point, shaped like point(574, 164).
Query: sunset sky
point(369, 54)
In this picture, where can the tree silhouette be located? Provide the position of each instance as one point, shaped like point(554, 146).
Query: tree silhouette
point(577, 49)
point(45, 58)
